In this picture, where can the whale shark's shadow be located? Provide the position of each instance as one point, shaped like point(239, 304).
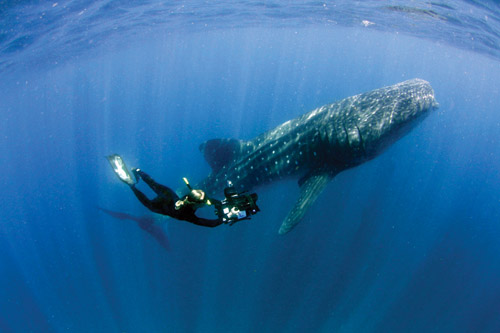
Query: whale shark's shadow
point(145, 222)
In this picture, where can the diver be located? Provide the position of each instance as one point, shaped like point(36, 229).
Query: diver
point(235, 207)
point(166, 201)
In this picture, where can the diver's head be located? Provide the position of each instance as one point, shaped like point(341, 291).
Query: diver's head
point(196, 195)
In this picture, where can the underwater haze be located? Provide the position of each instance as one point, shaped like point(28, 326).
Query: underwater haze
point(407, 242)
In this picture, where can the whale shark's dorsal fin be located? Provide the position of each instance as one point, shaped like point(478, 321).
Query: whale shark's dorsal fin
point(311, 187)
point(220, 152)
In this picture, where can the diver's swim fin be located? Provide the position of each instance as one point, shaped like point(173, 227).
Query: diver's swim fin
point(120, 169)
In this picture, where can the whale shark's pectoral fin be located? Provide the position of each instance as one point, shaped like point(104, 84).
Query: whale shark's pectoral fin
point(310, 189)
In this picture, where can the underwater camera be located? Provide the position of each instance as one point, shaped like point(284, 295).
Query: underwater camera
point(237, 206)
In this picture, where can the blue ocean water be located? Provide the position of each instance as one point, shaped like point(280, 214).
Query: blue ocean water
point(408, 242)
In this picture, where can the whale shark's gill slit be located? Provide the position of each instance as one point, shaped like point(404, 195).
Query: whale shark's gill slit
point(346, 133)
point(361, 142)
point(394, 104)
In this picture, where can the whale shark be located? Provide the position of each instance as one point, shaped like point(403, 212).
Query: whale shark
point(318, 145)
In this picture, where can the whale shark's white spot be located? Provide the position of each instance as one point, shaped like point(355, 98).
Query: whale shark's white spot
point(367, 23)
point(313, 113)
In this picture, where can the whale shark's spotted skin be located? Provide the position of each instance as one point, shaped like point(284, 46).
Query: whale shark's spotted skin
point(319, 144)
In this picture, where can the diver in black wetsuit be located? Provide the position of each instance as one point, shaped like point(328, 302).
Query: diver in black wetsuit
point(168, 203)
point(235, 206)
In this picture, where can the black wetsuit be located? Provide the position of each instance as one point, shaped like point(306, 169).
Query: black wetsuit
point(164, 203)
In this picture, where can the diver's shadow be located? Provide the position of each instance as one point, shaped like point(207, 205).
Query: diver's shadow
point(146, 223)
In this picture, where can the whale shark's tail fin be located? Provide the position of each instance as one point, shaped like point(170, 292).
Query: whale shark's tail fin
point(220, 152)
point(310, 189)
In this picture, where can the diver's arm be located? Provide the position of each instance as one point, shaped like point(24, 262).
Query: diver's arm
point(206, 222)
point(199, 220)
point(213, 202)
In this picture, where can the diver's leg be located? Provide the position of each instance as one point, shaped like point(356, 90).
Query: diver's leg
point(143, 198)
point(159, 189)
